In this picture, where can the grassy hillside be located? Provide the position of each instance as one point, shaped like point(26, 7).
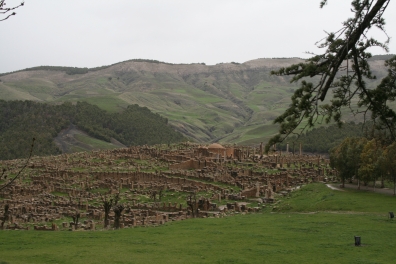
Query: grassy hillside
point(228, 102)
point(314, 225)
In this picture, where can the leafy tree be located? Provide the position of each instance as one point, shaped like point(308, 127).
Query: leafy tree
point(369, 161)
point(381, 165)
point(346, 157)
point(389, 163)
point(355, 148)
point(342, 69)
point(338, 160)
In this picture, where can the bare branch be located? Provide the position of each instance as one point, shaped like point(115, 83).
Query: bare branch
point(5, 10)
point(20, 171)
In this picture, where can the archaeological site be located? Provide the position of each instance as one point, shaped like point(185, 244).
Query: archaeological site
point(149, 185)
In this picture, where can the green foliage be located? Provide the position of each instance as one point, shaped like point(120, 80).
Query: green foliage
point(343, 69)
point(369, 169)
point(134, 126)
point(346, 157)
point(387, 163)
point(377, 100)
point(365, 159)
point(322, 139)
point(20, 121)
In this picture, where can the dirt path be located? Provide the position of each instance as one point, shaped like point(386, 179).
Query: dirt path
point(387, 191)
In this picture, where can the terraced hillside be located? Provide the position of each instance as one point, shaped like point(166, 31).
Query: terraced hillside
point(227, 102)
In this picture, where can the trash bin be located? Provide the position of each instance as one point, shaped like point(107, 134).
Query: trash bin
point(357, 241)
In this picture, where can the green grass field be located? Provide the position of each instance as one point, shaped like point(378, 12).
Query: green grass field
point(314, 225)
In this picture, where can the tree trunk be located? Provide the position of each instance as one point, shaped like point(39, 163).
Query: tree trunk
point(382, 181)
point(117, 223)
point(117, 215)
point(106, 221)
point(5, 216)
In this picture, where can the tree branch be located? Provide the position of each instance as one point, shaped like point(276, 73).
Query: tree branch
point(4, 10)
point(20, 171)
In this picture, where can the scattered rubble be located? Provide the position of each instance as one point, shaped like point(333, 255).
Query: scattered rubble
point(155, 184)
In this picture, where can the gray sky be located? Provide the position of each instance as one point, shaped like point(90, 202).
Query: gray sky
point(90, 33)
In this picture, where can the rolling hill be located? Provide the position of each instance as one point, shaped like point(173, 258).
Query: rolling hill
point(227, 102)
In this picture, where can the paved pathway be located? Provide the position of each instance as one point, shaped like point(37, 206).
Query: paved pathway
point(333, 187)
point(387, 191)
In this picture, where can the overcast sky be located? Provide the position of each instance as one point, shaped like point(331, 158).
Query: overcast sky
point(91, 33)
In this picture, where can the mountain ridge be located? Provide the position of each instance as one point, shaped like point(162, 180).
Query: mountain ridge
point(227, 102)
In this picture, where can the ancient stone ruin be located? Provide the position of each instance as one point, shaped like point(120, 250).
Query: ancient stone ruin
point(149, 185)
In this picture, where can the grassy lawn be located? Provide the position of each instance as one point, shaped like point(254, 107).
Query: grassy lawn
point(261, 238)
point(319, 198)
point(314, 225)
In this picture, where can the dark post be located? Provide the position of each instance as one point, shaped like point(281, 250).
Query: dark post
point(391, 215)
point(357, 241)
